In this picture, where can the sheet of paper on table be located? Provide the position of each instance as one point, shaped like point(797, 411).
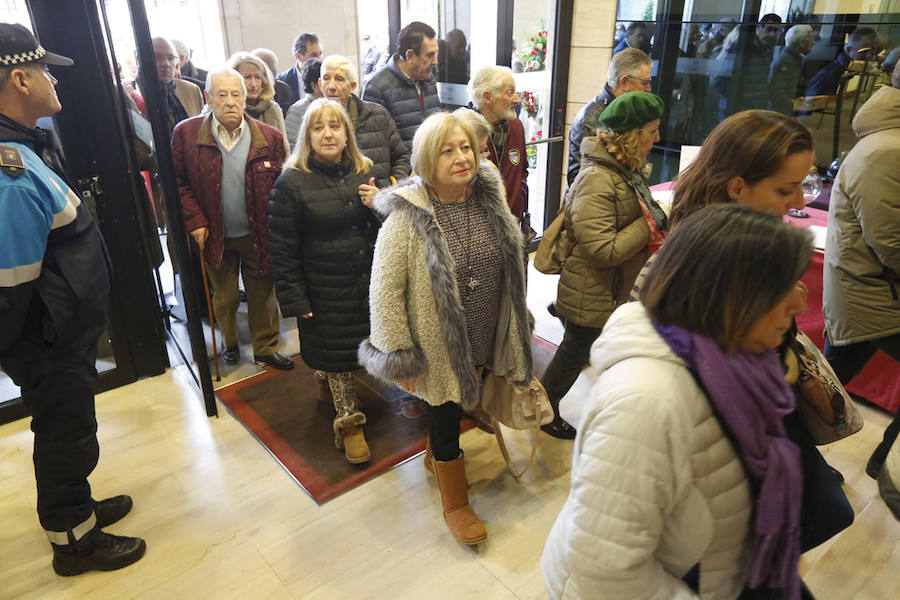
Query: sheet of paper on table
point(818, 236)
point(664, 199)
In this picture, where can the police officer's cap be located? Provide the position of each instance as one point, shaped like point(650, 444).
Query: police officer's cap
point(18, 46)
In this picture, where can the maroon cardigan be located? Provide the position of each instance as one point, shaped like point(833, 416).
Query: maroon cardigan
point(513, 167)
point(198, 169)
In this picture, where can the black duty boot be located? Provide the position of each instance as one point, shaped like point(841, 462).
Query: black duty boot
point(97, 551)
point(112, 509)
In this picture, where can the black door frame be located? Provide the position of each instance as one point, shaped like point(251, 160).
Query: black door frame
point(90, 127)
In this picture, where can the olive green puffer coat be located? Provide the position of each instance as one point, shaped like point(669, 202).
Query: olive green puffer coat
point(611, 236)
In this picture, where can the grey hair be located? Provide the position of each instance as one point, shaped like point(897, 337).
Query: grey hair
point(722, 269)
point(268, 57)
point(487, 79)
point(224, 71)
point(181, 48)
point(476, 121)
point(796, 34)
point(336, 61)
point(627, 62)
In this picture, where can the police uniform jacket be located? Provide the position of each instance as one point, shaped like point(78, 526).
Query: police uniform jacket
point(54, 269)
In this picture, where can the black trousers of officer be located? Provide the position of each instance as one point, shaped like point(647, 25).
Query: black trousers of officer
point(58, 378)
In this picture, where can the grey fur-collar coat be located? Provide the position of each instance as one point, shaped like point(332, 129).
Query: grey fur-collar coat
point(417, 321)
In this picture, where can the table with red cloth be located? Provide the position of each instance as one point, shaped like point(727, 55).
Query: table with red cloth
point(879, 381)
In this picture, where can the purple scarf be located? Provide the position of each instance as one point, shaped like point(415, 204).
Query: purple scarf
point(750, 397)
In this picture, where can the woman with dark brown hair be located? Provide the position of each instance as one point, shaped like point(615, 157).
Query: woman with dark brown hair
point(684, 481)
point(755, 157)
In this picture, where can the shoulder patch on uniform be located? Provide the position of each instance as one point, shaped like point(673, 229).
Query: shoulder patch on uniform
point(11, 160)
point(514, 156)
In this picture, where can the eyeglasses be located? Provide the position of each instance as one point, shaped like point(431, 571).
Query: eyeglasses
point(644, 82)
point(163, 58)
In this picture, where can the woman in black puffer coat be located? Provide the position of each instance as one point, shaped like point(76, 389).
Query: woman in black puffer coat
point(322, 233)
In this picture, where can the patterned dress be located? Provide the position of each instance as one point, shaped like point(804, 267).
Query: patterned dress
point(479, 269)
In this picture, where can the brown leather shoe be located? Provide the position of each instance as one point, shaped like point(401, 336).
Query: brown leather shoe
point(356, 450)
point(464, 524)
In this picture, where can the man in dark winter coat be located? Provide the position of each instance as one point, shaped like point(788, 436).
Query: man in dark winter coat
point(786, 70)
point(825, 82)
point(54, 292)
point(226, 164)
point(376, 133)
point(404, 86)
point(629, 71)
point(493, 92)
point(747, 85)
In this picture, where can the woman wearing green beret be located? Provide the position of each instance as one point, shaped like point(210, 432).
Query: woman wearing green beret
point(614, 224)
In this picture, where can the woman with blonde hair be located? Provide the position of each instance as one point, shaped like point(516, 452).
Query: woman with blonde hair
point(613, 222)
point(260, 91)
point(322, 233)
point(480, 127)
point(448, 296)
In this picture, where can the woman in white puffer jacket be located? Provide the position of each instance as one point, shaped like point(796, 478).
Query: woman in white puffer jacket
point(664, 503)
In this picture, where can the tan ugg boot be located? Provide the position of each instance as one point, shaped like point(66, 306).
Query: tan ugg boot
point(464, 524)
point(429, 457)
point(356, 450)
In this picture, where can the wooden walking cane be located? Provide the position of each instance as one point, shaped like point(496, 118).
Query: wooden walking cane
point(212, 317)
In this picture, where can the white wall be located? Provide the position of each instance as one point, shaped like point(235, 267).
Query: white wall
point(274, 24)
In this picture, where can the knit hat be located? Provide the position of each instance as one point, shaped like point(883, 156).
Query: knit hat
point(632, 110)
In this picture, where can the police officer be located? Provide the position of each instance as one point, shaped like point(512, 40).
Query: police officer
point(54, 290)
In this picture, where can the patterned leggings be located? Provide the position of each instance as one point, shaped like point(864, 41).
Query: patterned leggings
point(346, 403)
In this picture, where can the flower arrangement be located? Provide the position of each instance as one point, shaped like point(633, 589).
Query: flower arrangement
point(535, 51)
point(529, 104)
point(531, 150)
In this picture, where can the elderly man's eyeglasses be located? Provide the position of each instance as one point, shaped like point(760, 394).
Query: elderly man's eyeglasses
point(643, 82)
point(166, 58)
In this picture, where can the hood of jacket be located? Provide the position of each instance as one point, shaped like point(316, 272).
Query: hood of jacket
point(880, 112)
point(629, 333)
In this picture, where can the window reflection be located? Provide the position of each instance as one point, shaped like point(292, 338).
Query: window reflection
point(816, 66)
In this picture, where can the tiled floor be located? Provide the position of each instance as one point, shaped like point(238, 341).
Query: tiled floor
point(223, 520)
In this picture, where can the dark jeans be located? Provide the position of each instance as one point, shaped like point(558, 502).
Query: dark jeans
point(848, 361)
point(443, 430)
point(571, 356)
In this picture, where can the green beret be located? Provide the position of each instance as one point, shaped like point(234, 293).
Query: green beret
point(632, 110)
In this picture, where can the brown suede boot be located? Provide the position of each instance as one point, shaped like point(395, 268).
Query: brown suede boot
point(464, 524)
point(429, 457)
point(356, 450)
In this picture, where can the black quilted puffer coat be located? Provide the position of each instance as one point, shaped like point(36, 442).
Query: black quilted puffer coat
point(393, 90)
point(321, 242)
point(379, 140)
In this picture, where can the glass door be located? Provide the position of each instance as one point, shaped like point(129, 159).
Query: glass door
point(529, 36)
point(100, 136)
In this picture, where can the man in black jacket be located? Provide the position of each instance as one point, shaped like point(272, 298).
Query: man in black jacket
point(54, 291)
point(404, 86)
point(629, 71)
point(376, 133)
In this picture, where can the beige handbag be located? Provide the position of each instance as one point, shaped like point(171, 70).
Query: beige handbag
point(517, 407)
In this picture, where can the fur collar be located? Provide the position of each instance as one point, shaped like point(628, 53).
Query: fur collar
point(410, 199)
